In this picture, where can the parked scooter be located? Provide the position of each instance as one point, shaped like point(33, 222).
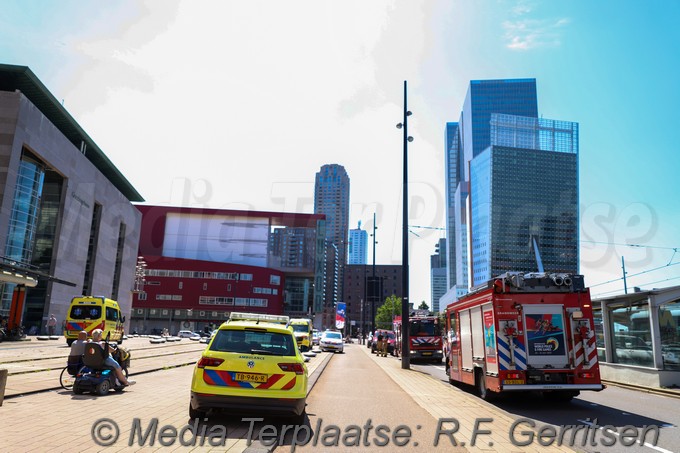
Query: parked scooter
point(96, 377)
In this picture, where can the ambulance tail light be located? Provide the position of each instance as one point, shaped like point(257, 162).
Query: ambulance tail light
point(515, 375)
point(587, 375)
point(296, 368)
point(209, 361)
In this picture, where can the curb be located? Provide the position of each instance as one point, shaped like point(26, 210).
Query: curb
point(656, 391)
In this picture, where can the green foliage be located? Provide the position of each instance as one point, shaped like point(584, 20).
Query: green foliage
point(423, 306)
point(442, 320)
point(391, 307)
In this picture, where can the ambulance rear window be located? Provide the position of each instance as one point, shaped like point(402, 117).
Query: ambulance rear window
point(85, 312)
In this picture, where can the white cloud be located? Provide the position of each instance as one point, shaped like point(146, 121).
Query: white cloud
point(238, 104)
point(525, 34)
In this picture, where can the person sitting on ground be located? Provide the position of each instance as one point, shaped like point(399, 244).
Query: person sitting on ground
point(110, 361)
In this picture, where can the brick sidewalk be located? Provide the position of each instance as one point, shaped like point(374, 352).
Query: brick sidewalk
point(33, 373)
point(59, 421)
point(446, 401)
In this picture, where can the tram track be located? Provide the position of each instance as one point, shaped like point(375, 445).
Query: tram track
point(35, 368)
point(64, 356)
point(61, 365)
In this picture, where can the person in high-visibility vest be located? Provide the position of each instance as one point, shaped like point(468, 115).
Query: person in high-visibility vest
point(382, 345)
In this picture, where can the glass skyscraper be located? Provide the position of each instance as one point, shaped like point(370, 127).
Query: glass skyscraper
point(512, 182)
point(358, 246)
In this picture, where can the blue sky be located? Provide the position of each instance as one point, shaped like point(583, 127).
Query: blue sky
point(232, 104)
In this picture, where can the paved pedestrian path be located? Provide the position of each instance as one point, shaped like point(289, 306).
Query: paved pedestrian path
point(371, 412)
point(444, 401)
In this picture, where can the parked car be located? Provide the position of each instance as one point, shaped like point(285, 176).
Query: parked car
point(316, 336)
point(391, 338)
point(632, 350)
point(186, 334)
point(671, 354)
point(331, 340)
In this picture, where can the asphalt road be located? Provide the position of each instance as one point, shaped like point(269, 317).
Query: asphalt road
point(615, 406)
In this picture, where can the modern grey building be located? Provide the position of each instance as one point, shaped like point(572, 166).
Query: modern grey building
point(509, 188)
point(331, 198)
point(358, 246)
point(358, 281)
point(65, 209)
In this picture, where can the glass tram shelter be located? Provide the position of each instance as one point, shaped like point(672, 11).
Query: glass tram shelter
point(638, 337)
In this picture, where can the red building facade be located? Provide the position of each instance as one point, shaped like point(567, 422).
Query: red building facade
point(202, 264)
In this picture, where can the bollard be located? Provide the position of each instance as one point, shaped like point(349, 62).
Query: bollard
point(3, 382)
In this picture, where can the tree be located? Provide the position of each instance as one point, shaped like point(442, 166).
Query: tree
point(423, 306)
point(384, 316)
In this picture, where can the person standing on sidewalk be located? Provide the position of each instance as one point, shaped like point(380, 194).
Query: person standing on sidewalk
point(51, 324)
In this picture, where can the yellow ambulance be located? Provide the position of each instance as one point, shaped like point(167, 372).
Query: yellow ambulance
point(94, 312)
point(302, 329)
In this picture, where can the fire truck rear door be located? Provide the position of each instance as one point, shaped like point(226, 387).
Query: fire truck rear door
point(545, 340)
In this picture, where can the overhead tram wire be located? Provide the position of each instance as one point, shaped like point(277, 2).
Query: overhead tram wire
point(635, 275)
point(614, 291)
point(675, 249)
point(670, 261)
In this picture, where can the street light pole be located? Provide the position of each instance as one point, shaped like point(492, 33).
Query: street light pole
point(373, 284)
point(405, 347)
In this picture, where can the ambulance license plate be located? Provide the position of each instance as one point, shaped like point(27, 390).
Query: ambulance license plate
point(250, 377)
point(513, 381)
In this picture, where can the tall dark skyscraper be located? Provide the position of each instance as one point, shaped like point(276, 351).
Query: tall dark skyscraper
point(438, 275)
point(512, 184)
point(331, 197)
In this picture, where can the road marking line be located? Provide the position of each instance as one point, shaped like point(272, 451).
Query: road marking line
point(645, 444)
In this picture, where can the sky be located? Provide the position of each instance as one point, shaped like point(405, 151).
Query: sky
point(237, 104)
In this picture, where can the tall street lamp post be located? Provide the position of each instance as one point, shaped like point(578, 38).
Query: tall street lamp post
point(405, 349)
point(373, 286)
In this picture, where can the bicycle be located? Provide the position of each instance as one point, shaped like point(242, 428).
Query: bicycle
point(66, 379)
point(70, 371)
point(15, 334)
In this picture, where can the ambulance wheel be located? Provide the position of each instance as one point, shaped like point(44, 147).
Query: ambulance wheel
point(298, 419)
point(103, 387)
point(69, 342)
point(194, 413)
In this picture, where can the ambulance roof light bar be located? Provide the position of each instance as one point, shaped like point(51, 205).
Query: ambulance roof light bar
point(259, 317)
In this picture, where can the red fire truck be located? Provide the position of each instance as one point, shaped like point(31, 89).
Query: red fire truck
point(425, 336)
point(525, 332)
